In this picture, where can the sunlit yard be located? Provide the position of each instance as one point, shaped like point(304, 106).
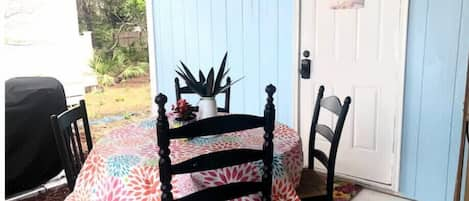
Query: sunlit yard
point(118, 100)
point(127, 101)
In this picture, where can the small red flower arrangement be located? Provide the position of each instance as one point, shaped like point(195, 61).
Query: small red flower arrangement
point(183, 110)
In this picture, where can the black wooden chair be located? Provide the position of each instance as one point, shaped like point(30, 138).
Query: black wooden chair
point(312, 185)
point(186, 90)
point(215, 126)
point(68, 139)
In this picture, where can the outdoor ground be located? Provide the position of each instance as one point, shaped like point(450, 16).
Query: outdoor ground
point(118, 105)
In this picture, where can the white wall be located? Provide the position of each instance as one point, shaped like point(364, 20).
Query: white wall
point(41, 38)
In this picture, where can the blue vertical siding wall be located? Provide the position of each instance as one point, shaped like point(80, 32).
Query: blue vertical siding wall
point(258, 35)
point(437, 53)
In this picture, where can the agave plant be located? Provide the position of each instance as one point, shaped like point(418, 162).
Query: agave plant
point(206, 86)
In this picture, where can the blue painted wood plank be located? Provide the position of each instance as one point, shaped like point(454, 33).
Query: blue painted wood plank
point(200, 31)
point(433, 99)
point(219, 27)
point(166, 62)
point(180, 48)
point(413, 95)
point(459, 95)
point(192, 33)
point(438, 79)
point(218, 37)
point(285, 60)
point(157, 39)
point(251, 55)
point(178, 30)
point(268, 42)
point(235, 46)
point(191, 38)
point(205, 34)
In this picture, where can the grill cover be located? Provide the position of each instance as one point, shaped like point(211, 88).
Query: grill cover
point(30, 151)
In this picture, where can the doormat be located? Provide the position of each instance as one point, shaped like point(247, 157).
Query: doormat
point(51, 195)
point(345, 191)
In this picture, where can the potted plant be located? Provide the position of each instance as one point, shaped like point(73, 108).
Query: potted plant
point(182, 113)
point(206, 86)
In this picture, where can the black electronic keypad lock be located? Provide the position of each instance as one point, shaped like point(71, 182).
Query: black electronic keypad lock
point(305, 69)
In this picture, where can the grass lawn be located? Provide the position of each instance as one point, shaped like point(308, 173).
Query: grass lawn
point(126, 98)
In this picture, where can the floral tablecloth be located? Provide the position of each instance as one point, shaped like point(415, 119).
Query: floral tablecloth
point(123, 165)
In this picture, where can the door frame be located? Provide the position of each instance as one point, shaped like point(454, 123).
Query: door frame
point(400, 99)
point(462, 175)
point(150, 17)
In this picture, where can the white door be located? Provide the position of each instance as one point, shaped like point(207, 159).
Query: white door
point(358, 53)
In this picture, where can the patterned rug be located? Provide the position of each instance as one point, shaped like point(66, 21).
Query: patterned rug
point(345, 191)
point(52, 195)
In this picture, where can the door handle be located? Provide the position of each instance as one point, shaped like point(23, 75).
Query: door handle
point(305, 69)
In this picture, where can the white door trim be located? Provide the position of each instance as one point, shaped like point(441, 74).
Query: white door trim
point(151, 53)
point(295, 67)
point(400, 100)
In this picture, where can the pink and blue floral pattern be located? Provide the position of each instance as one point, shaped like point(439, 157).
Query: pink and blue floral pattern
point(120, 165)
point(124, 164)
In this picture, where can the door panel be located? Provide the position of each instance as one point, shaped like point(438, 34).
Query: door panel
point(357, 53)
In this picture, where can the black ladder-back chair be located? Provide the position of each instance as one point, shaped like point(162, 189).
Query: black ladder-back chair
point(215, 126)
point(68, 140)
point(186, 90)
point(312, 186)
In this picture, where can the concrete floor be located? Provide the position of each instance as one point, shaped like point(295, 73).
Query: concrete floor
point(370, 195)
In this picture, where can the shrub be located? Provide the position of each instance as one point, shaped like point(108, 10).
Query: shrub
point(131, 72)
point(105, 80)
point(121, 63)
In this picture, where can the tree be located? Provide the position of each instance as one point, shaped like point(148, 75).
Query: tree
point(107, 19)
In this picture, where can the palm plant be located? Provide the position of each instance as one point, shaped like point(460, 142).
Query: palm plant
point(208, 86)
point(120, 64)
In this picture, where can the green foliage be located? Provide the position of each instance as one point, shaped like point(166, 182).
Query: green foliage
point(107, 19)
point(133, 53)
point(105, 80)
point(133, 71)
point(99, 66)
point(144, 66)
point(134, 9)
point(122, 63)
point(103, 36)
point(127, 115)
point(120, 57)
point(102, 67)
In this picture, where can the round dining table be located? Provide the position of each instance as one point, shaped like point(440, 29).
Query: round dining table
point(123, 164)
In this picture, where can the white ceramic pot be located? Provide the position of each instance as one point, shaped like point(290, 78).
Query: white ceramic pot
point(207, 107)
